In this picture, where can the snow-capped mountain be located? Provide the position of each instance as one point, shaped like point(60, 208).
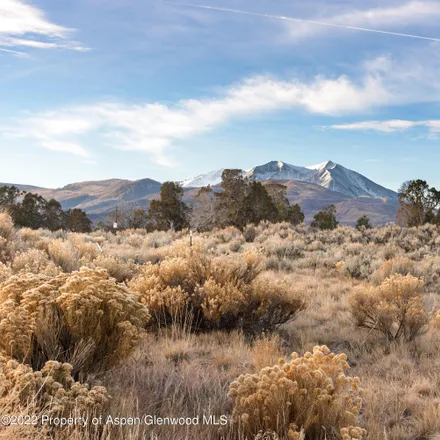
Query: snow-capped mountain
point(328, 175)
point(277, 170)
point(340, 179)
point(210, 178)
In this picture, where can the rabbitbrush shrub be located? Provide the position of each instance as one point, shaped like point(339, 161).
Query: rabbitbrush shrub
point(84, 318)
point(217, 292)
point(309, 397)
point(394, 308)
point(51, 390)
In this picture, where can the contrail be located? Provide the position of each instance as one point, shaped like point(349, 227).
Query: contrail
point(301, 20)
point(16, 52)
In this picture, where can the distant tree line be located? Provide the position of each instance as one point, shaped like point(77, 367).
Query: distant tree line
point(238, 202)
point(33, 211)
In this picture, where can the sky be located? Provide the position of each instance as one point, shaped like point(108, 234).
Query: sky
point(98, 89)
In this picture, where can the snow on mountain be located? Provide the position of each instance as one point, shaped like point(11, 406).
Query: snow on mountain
point(337, 178)
point(328, 175)
point(210, 178)
point(278, 170)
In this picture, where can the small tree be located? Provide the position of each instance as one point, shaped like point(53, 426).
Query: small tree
point(77, 221)
point(259, 205)
point(326, 218)
point(137, 219)
point(30, 212)
point(170, 212)
point(363, 223)
point(54, 216)
point(204, 213)
point(295, 215)
point(285, 212)
point(232, 200)
point(417, 203)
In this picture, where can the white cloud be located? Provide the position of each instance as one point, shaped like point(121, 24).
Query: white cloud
point(412, 13)
point(24, 25)
point(391, 126)
point(154, 127)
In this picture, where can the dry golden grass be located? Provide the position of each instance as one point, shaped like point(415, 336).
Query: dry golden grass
point(74, 319)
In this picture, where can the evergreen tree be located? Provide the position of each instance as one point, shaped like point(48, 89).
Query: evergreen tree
point(417, 199)
point(53, 216)
point(77, 221)
point(326, 218)
point(170, 212)
point(9, 196)
point(285, 212)
point(30, 212)
point(363, 223)
point(231, 202)
point(258, 205)
point(295, 215)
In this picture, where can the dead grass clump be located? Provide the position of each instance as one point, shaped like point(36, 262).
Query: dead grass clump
point(310, 394)
point(266, 351)
point(85, 318)
point(395, 308)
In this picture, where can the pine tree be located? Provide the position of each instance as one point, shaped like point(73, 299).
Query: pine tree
point(258, 205)
point(326, 218)
point(285, 212)
point(30, 212)
point(77, 221)
point(363, 223)
point(417, 199)
point(170, 212)
point(232, 200)
point(54, 216)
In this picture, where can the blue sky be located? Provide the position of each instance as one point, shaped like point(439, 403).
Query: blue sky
point(95, 89)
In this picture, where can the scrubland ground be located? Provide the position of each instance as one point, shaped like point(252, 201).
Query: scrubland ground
point(152, 326)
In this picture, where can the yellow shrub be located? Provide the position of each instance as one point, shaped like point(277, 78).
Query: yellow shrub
point(5, 272)
point(398, 265)
point(394, 308)
point(221, 292)
point(6, 225)
point(310, 396)
point(32, 261)
point(51, 391)
point(63, 254)
point(85, 318)
point(116, 267)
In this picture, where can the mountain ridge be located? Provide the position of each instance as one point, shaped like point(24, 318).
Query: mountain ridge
point(312, 187)
point(328, 174)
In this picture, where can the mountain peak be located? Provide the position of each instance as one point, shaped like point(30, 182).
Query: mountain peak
point(329, 175)
point(323, 166)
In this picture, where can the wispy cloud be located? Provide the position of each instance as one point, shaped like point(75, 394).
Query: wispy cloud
point(154, 127)
point(23, 25)
point(386, 20)
point(366, 20)
point(391, 126)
